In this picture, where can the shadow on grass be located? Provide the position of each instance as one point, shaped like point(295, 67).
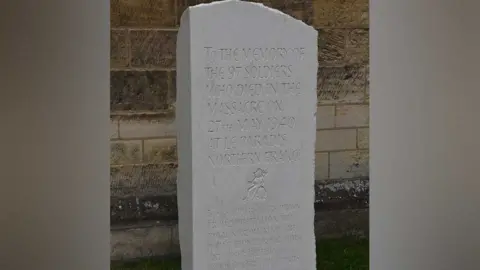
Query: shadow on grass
point(332, 254)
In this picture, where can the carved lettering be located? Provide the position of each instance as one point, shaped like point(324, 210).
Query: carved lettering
point(252, 235)
point(247, 92)
point(254, 158)
point(253, 54)
point(247, 104)
point(267, 89)
point(247, 107)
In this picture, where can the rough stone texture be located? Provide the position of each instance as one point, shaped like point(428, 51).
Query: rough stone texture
point(321, 166)
point(119, 48)
point(367, 84)
point(331, 44)
point(342, 223)
point(363, 138)
point(143, 13)
point(128, 243)
point(160, 150)
point(340, 13)
point(176, 239)
point(153, 48)
point(143, 128)
point(329, 195)
point(126, 210)
point(341, 209)
point(160, 238)
point(336, 139)
point(136, 180)
point(341, 84)
point(172, 94)
point(342, 194)
point(325, 117)
point(129, 235)
point(138, 90)
point(349, 164)
point(113, 129)
point(352, 116)
point(146, 30)
point(357, 46)
point(125, 152)
point(300, 9)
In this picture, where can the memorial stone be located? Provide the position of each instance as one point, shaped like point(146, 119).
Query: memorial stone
point(246, 104)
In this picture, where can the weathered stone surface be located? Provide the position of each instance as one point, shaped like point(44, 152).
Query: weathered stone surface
point(160, 150)
point(113, 128)
point(143, 13)
point(172, 94)
point(325, 117)
point(138, 90)
point(349, 164)
point(331, 44)
point(363, 138)
point(336, 139)
point(330, 195)
point(321, 166)
point(119, 48)
point(341, 209)
point(300, 9)
point(147, 127)
point(143, 180)
point(341, 223)
point(153, 48)
point(176, 239)
point(222, 192)
point(127, 241)
point(340, 13)
point(341, 84)
point(358, 46)
point(125, 152)
point(352, 115)
point(140, 242)
point(333, 195)
point(367, 86)
point(125, 210)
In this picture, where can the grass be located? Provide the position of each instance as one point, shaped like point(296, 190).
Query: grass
point(339, 254)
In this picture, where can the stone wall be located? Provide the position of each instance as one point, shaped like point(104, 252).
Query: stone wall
point(143, 144)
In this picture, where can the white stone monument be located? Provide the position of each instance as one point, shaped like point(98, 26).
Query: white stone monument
point(246, 107)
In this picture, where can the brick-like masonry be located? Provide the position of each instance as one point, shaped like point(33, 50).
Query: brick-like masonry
point(143, 93)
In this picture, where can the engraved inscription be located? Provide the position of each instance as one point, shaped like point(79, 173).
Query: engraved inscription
point(251, 122)
point(245, 107)
point(247, 93)
point(242, 158)
point(253, 237)
point(253, 54)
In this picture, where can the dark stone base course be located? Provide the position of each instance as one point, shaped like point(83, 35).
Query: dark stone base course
point(149, 239)
point(148, 208)
point(147, 226)
point(329, 196)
